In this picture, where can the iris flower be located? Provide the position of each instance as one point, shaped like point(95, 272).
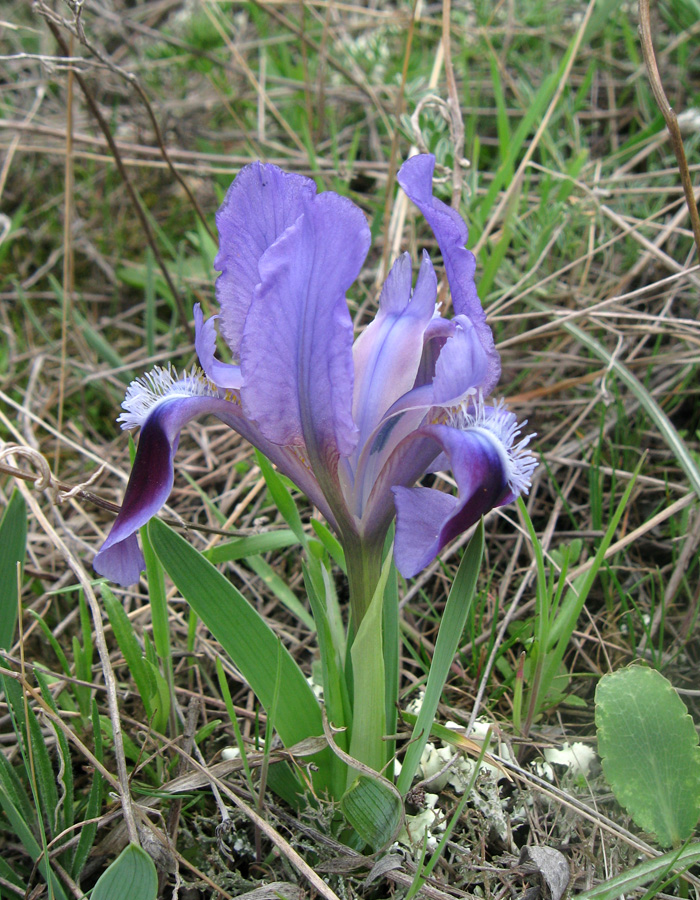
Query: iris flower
point(354, 425)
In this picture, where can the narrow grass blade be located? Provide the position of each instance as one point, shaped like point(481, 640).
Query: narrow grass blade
point(53, 643)
point(392, 661)
point(161, 630)
point(282, 498)
point(424, 872)
point(251, 545)
point(65, 774)
point(331, 543)
point(574, 600)
point(24, 835)
point(532, 117)
point(102, 347)
point(454, 618)
point(94, 802)
point(653, 869)
point(240, 743)
point(13, 543)
point(334, 687)
point(668, 431)
point(130, 647)
point(281, 590)
point(13, 787)
point(35, 754)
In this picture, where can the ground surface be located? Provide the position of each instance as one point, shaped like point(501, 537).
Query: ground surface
point(576, 213)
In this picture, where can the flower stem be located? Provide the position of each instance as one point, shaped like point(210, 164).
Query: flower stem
point(364, 564)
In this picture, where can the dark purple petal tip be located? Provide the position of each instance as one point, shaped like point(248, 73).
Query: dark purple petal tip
point(122, 562)
point(491, 468)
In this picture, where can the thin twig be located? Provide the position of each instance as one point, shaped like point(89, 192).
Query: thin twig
point(454, 107)
point(669, 117)
point(68, 258)
point(391, 174)
point(145, 224)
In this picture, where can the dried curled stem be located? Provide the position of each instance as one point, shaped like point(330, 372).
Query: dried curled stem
point(669, 117)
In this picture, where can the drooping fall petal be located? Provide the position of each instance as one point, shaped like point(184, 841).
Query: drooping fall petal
point(162, 404)
point(490, 467)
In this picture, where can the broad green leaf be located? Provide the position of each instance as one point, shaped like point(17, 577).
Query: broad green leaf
point(657, 869)
point(454, 618)
point(132, 874)
point(649, 751)
point(244, 635)
point(13, 542)
point(374, 811)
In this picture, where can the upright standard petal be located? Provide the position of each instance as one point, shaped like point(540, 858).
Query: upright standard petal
point(221, 374)
point(450, 230)
point(296, 351)
point(388, 353)
point(491, 468)
point(447, 377)
point(260, 205)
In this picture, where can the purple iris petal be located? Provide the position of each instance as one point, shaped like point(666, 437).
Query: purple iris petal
point(461, 366)
point(296, 351)
point(388, 352)
point(450, 230)
point(162, 405)
point(459, 372)
point(428, 519)
point(491, 468)
point(223, 375)
point(149, 485)
point(260, 205)
point(348, 425)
